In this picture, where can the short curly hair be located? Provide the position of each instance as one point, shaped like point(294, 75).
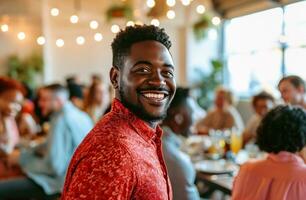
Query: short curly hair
point(283, 129)
point(124, 40)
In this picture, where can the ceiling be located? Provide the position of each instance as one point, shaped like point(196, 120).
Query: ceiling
point(235, 8)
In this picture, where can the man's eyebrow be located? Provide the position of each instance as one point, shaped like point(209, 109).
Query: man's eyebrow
point(142, 62)
point(169, 65)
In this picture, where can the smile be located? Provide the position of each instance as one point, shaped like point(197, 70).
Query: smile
point(154, 96)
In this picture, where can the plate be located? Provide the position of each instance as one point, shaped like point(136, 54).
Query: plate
point(216, 166)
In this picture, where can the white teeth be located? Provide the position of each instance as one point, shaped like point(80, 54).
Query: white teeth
point(155, 96)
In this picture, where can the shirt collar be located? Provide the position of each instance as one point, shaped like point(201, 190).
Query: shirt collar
point(171, 136)
point(141, 127)
point(285, 156)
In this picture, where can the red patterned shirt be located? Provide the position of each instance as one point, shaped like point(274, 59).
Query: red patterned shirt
point(120, 159)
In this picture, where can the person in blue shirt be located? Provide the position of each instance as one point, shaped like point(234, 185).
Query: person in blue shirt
point(178, 123)
point(45, 166)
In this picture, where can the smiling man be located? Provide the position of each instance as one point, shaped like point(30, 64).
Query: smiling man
point(121, 158)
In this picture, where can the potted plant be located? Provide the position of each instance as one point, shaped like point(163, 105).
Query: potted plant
point(208, 83)
point(119, 11)
point(201, 27)
point(26, 70)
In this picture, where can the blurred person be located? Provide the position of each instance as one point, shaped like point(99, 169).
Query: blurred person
point(223, 116)
point(97, 100)
point(282, 174)
point(27, 125)
point(292, 89)
point(42, 117)
point(177, 124)
point(45, 170)
point(121, 158)
point(11, 98)
point(76, 95)
point(262, 103)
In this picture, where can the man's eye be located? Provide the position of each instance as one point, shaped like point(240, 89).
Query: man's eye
point(143, 70)
point(169, 74)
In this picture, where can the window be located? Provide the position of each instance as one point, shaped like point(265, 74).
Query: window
point(253, 47)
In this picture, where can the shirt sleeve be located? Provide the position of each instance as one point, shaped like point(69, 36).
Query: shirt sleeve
point(103, 174)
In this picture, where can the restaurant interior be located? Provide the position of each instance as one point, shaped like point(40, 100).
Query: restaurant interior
point(237, 54)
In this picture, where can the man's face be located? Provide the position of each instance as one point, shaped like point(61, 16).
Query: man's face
point(262, 106)
point(146, 83)
point(46, 102)
point(290, 94)
point(11, 102)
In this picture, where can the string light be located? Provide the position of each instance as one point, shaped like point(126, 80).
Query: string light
point(130, 23)
point(185, 2)
point(4, 28)
point(155, 22)
point(54, 12)
point(200, 9)
point(94, 24)
point(171, 3)
point(171, 14)
point(60, 42)
point(41, 40)
point(216, 21)
point(150, 3)
point(74, 19)
point(98, 37)
point(80, 40)
point(21, 35)
point(115, 28)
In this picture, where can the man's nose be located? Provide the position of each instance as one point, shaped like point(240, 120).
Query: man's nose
point(157, 79)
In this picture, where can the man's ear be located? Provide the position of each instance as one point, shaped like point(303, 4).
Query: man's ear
point(114, 76)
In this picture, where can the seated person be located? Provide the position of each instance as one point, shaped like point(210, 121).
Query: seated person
point(177, 124)
point(222, 116)
point(45, 170)
point(292, 89)
point(282, 174)
point(261, 103)
point(11, 97)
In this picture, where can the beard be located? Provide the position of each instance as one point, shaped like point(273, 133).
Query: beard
point(139, 110)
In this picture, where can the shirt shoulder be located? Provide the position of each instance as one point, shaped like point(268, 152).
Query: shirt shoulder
point(102, 167)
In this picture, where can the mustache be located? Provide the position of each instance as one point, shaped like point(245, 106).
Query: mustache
point(156, 88)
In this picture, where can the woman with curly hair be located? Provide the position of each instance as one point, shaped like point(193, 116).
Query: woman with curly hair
point(11, 97)
point(282, 174)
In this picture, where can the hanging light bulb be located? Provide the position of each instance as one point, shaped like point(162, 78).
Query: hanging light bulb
point(21, 35)
point(60, 42)
point(41, 40)
point(115, 28)
point(4, 28)
point(171, 3)
point(130, 23)
point(94, 24)
point(98, 37)
point(155, 22)
point(216, 21)
point(80, 40)
point(54, 12)
point(74, 19)
point(186, 2)
point(200, 9)
point(150, 3)
point(171, 14)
